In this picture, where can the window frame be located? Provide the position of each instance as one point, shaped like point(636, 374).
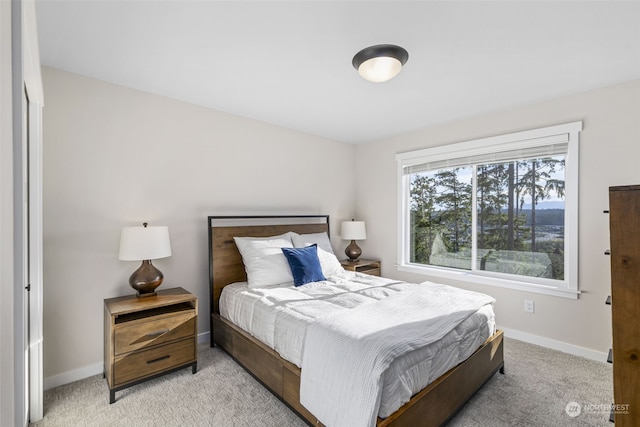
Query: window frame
point(547, 136)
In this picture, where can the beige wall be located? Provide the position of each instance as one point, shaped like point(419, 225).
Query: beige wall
point(609, 155)
point(114, 157)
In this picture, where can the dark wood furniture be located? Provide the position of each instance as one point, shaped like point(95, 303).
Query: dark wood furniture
point(148, 337)
point(624, 228)
point(430, 407)
point(367, 266)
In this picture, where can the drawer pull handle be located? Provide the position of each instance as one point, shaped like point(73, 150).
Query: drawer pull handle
point(156, 333)
point(150, 362)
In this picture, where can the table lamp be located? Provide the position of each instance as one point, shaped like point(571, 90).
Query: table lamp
point(353, 230)
point(144, 244)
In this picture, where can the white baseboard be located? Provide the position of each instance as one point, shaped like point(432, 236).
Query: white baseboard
point(88, 371)
point(564, 347)
point(204, 337)
point(91, 370)
point(71, 376)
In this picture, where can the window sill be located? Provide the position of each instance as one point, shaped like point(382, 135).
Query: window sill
point(470, 277)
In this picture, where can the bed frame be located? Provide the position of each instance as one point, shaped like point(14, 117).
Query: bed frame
point(432, 406)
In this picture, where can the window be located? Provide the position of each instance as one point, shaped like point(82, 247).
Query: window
point(500, 211)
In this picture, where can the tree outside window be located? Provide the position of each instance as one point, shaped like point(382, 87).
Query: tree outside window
point(519, 217)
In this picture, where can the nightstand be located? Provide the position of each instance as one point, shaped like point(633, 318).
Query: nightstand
point(148, 337)
point(367, 266)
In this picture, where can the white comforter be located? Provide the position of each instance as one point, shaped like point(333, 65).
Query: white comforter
point(279, 317)
point(346, 354)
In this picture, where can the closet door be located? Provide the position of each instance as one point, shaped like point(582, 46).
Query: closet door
point(28, 214)
point(21, 255)
point(35, 262)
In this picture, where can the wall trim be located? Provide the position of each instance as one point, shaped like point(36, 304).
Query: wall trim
point(203, 338)
point(72, 376)
point(91, 370)
point(564, 347)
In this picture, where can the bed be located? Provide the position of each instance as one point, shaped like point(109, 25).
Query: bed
point(433, 405)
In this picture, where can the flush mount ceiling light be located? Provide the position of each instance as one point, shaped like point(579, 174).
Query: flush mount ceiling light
point(381, 62)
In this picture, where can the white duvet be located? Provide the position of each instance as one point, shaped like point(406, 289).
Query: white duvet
point(347, 354)
point(279, 317)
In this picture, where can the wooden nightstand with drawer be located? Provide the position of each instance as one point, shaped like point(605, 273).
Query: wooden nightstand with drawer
point(148, 337)
point(367, 266)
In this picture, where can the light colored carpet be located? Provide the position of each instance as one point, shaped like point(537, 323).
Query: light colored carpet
point(537, 386)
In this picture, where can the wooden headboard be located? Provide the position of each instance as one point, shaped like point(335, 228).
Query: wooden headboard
point(225, 262)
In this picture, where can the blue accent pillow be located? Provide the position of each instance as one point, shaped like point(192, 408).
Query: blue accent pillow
point(304, 263)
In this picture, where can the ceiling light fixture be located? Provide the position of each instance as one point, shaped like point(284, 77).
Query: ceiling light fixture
point(381, 62)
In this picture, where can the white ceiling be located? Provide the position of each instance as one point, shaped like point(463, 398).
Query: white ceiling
point(289, 62)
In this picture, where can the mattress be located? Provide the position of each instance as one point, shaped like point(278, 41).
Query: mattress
point(278, 316)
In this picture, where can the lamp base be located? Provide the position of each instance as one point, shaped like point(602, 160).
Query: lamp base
point(150, 294)
point(146, 279)
point(353, 251)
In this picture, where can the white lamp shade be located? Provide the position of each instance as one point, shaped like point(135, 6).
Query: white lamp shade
point(353, 230)
point(380, 69)
point(142, 243)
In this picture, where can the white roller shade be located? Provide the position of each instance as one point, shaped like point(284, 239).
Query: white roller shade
point(523, 150)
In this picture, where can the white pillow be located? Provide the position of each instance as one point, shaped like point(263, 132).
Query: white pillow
point(304, 240)
point(264, 261)
point(328, 261)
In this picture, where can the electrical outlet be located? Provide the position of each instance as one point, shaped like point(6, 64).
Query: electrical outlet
point(528, 306)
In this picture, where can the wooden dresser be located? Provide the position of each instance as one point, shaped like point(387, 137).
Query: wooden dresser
point(148, 337)
point(624, 228)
